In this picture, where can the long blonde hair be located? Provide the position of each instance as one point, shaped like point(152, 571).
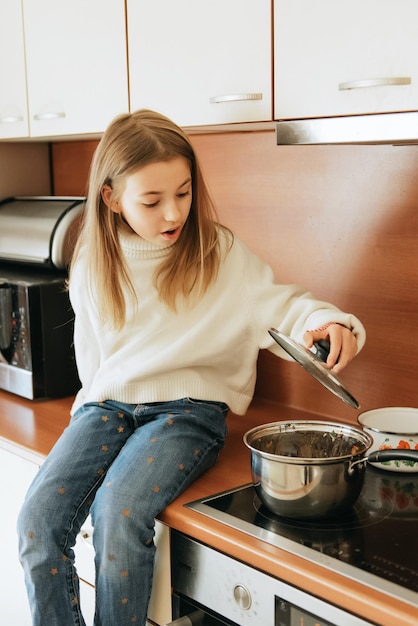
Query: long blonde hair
point(131, 141)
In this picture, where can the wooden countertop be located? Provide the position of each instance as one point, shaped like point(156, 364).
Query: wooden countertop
point(36, 425)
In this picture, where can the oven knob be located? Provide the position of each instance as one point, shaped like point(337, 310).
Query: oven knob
point(242, 597)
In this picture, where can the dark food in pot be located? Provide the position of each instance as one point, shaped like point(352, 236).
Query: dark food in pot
point(308, 444)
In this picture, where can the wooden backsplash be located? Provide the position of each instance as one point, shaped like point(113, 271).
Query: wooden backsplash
point(340, 220)
point(24, 169)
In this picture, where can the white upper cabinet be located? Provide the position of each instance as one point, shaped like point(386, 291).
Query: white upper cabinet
point(13, 106)
point(336, 58)
point(201, 61)
point(76, 65)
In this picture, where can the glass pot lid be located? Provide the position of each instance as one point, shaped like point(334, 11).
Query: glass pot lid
point(314, 365)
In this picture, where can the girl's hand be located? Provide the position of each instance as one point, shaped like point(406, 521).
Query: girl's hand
point(343, 344)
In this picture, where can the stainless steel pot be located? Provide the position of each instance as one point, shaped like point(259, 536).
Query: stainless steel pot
point(311, 469)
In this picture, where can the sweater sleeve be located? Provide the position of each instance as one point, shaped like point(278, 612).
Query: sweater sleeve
point(288, 307)
point(86, 345)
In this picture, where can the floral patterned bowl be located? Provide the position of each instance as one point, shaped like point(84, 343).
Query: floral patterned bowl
point(394, 495)
point(392, 427)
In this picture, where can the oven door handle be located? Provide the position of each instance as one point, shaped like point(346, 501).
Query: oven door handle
point(193, 619)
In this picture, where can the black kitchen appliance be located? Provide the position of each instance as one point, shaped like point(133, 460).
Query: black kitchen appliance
point(374, 544)
point(37, 236)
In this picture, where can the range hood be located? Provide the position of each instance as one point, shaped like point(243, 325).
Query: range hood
point(382, 128)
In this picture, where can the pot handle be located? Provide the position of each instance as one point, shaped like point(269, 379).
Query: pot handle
point(398, 454)
point(395, 454)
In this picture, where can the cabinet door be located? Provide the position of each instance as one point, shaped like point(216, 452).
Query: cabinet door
point(17, 472)
point(335, 58)
point(13, 108)
point(201, 61)
point(76, 65)
point(159, 610)
point(16, 475)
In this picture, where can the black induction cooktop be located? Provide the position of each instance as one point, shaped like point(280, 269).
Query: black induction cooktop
point(375, 543)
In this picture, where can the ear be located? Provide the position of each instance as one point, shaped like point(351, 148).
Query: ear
point(107, 197)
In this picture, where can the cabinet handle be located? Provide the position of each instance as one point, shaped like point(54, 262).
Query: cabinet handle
point(8, 119)
point(53, 115)
point(235, 97)
point(375, 82)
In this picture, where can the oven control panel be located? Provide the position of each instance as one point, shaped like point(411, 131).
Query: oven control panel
point(244, 595)
point(289, 615)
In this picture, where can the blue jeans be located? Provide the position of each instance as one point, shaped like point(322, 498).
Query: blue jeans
point(123, 463)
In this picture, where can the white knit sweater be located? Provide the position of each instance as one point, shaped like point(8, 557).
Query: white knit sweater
point(208, 352)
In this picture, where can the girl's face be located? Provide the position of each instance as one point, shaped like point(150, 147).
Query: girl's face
point(156, 200)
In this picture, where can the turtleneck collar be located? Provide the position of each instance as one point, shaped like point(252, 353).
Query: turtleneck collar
point(135, 246)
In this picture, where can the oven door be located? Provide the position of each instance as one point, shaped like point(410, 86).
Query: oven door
point(188, 613)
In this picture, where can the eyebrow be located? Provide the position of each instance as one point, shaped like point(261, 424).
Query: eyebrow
point(156, 193)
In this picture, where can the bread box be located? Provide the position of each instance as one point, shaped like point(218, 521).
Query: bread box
point(39, 230)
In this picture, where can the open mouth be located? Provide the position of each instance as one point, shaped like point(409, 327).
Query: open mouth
point(172, 232)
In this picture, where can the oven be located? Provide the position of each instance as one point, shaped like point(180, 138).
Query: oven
point(211, 588)
point(372, 544)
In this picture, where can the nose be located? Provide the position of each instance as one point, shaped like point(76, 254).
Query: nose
point(172, 211)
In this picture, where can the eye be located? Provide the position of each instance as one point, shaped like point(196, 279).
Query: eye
point(151, 205)
point(183, 194)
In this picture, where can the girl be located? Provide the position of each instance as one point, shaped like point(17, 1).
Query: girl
point(171, 311)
